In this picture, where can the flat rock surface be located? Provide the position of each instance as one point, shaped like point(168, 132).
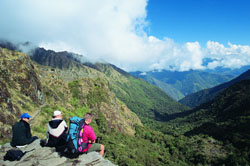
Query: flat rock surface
point(46, 156)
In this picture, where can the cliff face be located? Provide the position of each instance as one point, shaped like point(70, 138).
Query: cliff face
point(39, 90)
point(20, 88)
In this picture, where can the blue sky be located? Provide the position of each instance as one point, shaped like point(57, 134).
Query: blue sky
point(200, 20)
point(135, 34)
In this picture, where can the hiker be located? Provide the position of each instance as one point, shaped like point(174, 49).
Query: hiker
point(89, 135)
point(21, 132)
point(57, 129)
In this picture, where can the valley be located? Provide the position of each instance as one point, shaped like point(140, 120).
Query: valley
point(138, 123)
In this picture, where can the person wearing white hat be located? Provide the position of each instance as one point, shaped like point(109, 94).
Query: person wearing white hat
point(57, 129)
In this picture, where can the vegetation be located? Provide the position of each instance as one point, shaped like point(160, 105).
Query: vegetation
point(215, 133)
point(207, 95)
point(183, 83)
point(226, 118)
point(146, 100)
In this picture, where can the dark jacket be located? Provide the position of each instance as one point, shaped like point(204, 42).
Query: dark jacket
point(55, 141)
point(21, 134)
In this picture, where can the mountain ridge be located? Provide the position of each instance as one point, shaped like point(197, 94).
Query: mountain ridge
point(122, 84)
point(182, 83)
point(77, 89)
point(206, 95)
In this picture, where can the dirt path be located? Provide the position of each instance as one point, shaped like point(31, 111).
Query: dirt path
point(36, 114)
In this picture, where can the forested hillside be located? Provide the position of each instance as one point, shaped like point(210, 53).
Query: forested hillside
point(225, 118)
point(39, 90)
point(137, 122)
point(180, 84)
point(206, 95)
point(146, 100)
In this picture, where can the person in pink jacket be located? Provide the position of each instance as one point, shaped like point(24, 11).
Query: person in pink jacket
point(89, 135)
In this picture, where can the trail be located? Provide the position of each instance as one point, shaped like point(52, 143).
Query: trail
point(37, 113)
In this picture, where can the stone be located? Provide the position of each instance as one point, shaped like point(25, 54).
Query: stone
point(46, 156)
point(7, 145)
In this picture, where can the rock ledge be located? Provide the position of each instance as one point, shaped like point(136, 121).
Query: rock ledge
point(46, 156)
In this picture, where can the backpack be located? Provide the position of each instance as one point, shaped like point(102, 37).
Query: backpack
point(15, 154)
point(74, 144)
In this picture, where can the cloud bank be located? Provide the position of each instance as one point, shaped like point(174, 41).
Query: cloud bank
point(112, 31)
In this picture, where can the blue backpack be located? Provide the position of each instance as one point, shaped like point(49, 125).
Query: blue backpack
point(74, 144)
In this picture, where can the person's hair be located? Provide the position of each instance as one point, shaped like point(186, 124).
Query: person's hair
point(88, 116)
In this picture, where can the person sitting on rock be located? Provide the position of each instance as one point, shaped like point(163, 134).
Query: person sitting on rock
point(21, 132)
point(57, 129)
point(89, 135)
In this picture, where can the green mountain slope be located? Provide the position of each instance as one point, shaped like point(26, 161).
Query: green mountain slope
point(170, 90)
point(27, 87)
point(39, 90)
point(225, 118)
point(184, 83)
point(229, 114)
point(75, 89)
point(146, 100)
point(206, 95)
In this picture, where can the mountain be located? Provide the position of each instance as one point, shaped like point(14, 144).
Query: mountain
point(228, 71)
point(229, 115)
point(225, 118)
point(108, 92)
point(180, 84)
point(38, 89)
point(206, 95)
point(146, 100)
point(56, 60)
point(27, 87)
point(20, 90)
point(167, 88)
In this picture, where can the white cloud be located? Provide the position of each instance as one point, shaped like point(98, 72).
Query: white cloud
point(143, 74)
point(108, 30)
point(233, 56)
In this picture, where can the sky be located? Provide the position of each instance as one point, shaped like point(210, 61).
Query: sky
point(200, 20)
point(136, 34)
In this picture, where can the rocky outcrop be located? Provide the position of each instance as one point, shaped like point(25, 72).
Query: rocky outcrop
point(20, 89)
point(46, 156)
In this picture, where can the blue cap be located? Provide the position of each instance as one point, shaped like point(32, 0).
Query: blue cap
point(25, 115)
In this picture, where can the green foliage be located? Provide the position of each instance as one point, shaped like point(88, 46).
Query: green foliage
point(149, 147)
point(226, 118)
point(213, 134)
point(146, 100)
point(74, 87)
point(207, 95)
point(74, 101)
point(101, 122)
point(39, 129)
point(47, 110)
point(97, 94)
point(180, 84)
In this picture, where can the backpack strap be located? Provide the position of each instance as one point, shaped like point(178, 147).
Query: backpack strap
point(82, 145)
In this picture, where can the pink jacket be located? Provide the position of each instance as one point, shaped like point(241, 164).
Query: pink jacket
point(88, 135)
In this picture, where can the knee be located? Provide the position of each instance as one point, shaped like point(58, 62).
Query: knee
point(102, 147)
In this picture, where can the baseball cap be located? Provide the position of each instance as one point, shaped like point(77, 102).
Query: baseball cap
point(25, 115)
point(57, 112)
